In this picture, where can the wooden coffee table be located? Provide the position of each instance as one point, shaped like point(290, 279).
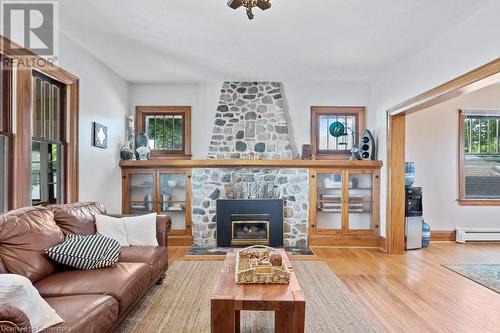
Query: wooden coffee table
point(229, 298)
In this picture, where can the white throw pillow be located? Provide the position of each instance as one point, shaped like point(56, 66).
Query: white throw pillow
point(18, 291)
point(141, 230)
point(112, 227)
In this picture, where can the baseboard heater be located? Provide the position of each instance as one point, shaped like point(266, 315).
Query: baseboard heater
point(478, 235)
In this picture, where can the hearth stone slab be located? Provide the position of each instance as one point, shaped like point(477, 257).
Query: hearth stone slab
point(221, 251)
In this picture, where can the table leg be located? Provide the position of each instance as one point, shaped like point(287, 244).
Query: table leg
point(299, 317)
point(237, 321)
point(283, 321)
point(223, 316)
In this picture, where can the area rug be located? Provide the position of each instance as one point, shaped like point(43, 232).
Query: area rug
point(182, 303)
point(487, 275)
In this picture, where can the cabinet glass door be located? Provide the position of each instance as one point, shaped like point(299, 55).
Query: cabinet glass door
point(141, 193)
point(360, 202)
point(172, 198)
point(329, 201)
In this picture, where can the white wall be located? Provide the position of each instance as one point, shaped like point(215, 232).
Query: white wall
point(300, 96)
point(204, 98)
point(103, 99)
point(471, 44)
point(432, 143)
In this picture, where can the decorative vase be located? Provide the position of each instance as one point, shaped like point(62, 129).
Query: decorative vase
point(141, 140)
point(143, 153)
point(409, 173)
point(126, 153)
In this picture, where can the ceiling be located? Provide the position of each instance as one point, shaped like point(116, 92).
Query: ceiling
point(201, 40)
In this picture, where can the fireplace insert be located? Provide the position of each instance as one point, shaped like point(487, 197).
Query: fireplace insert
point(249, 229)
point(250, 222)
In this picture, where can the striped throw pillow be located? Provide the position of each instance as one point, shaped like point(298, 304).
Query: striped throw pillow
point(86, 252)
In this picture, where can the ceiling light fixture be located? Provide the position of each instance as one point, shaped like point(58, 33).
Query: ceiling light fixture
point(249, 5)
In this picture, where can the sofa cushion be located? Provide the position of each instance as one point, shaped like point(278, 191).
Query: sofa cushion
point(124, 281)
point(77, 218)
point(24, 235)
point(154, 256)
point(84, 313)
point(86, 251)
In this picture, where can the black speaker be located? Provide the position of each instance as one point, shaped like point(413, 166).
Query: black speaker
point(367, 146)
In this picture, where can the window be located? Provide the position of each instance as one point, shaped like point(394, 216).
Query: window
point(5, 128)
point(348, 121)
point(479, 157)
point(47, 145)
point(168, 129)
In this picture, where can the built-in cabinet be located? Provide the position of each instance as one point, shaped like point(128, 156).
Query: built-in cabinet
point(165, 191)
point(345, 202)
point(344, 196)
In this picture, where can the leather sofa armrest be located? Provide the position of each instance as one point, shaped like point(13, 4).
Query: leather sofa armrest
point(13, 319)
point(163, 225)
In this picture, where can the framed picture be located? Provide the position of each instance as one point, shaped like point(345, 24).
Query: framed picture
point(99, 135)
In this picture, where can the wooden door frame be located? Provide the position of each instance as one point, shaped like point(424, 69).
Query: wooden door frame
point(464, 84)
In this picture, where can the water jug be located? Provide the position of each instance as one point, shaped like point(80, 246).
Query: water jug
point(426, 235)
point(409, 173)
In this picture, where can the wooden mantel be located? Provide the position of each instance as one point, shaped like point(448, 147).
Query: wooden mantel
point(334, 164)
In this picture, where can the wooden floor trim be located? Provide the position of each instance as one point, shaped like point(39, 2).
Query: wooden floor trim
point(443, 235)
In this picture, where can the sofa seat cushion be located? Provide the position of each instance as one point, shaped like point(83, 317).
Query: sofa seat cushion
point(24, 235)
point(154, 256)
point(77, 218)
point(84, 313)
point(124, 281)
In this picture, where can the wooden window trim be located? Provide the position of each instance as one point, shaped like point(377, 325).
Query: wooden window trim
point(317, 111)
point(6, 129)
point(62, 101)
point(28, 62)
point(62, 140)
point(142, 111)
point(6, 74)
point(462, 200)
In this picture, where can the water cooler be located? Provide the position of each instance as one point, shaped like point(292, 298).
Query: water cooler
point(414, 219)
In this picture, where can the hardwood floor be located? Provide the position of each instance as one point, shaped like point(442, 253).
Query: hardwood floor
point(413, 292)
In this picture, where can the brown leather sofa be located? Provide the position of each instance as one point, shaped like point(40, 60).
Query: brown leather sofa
point(87, 300)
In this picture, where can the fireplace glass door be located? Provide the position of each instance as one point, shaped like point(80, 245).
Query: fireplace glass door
point(249, 233)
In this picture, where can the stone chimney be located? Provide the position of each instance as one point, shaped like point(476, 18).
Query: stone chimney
point(250, 119)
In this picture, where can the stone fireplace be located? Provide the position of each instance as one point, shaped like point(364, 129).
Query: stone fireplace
point(250, 122)
point(210, 185)
point(250, 119)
